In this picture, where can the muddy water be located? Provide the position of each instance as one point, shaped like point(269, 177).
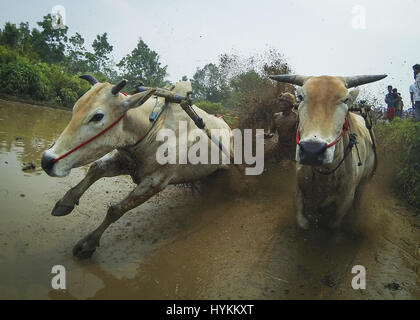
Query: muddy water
point(186, 245)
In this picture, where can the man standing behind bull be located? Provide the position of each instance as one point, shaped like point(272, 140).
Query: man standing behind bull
point(399, 105)
point(415, 91)
point(391, 101)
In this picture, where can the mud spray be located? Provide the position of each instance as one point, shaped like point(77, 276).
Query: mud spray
point(190, 244)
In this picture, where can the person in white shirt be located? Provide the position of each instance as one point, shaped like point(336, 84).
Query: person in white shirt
point(415, 91)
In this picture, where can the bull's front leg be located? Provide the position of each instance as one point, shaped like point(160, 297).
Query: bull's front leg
point(346, 201)
point(111, 165)
point(148, 187)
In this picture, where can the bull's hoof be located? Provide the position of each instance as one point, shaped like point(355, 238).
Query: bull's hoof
point(62, 209)
point(85, 248)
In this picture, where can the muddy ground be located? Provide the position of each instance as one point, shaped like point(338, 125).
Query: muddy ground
point(188, 245)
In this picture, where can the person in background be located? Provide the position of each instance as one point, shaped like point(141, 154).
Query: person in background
point(401, 106)
point(390, 100)
point(398, 103)
point(415, 92)
point(412, 95)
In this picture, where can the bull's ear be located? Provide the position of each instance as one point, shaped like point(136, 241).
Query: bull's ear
point(353, 94)
point(138, 99)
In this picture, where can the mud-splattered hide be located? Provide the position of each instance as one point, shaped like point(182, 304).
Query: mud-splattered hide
point(322, 112)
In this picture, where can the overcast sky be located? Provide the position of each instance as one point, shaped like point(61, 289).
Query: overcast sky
point(316, 37)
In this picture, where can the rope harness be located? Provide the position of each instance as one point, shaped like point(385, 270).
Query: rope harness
point(352, 143)
point(186, 104)
point(345, 129)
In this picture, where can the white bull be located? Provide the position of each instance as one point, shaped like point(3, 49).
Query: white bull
point(324, 180)
point(84, 140)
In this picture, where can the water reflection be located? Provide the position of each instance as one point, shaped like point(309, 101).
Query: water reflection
point(28, 130)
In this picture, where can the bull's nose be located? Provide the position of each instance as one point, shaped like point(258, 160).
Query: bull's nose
point(47, 163)
point(312, 152)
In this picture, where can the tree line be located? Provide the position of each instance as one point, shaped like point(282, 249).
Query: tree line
point(43, 63)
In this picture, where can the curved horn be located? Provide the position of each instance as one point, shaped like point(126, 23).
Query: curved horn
point(118, 87)
point(355, 81)
point(89, 78)
point(290, 78)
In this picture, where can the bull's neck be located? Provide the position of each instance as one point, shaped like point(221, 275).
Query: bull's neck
point(136, 124)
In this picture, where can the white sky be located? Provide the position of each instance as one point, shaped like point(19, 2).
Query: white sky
point(316, 37)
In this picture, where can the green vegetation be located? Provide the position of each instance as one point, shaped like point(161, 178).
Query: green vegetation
point(44, 64)
point(400, 140)
point(240, 88)
point(38, 80)
point(217, 108)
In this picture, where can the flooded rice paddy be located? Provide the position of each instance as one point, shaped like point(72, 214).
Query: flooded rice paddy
point(182, 244)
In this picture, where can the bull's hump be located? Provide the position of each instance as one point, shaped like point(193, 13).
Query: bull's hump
point(182, 88)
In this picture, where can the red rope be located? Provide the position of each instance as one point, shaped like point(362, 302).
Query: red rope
point(345, 129)
point(90, 140)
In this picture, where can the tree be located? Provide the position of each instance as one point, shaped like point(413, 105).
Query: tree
point(50, 43)
point(143, 64)
point(209, 84)
point(10, 36)
point(76, 54)
point(25, 41)
point(100, 60)
point(18, 38)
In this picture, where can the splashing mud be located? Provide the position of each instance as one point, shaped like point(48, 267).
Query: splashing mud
point(187, 245)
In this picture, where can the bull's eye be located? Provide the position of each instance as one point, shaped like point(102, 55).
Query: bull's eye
point(97, 117)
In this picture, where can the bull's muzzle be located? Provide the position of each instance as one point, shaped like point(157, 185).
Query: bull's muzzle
point(312, 153)
point(47, 164)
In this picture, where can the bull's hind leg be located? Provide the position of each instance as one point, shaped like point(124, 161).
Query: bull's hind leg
point(111, 165)
point(148, 187)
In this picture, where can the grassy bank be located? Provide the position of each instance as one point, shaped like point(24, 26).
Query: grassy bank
point(29, 101)
point(400, 141)
point(37, 81)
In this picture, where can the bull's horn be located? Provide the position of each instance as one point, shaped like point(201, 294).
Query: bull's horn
point(290, 78)
point(89, 78)
point(118, 87)
point(355, 81)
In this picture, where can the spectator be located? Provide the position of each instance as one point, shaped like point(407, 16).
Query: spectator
point(390, 100)
point(415, 92)
point(399, 105)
